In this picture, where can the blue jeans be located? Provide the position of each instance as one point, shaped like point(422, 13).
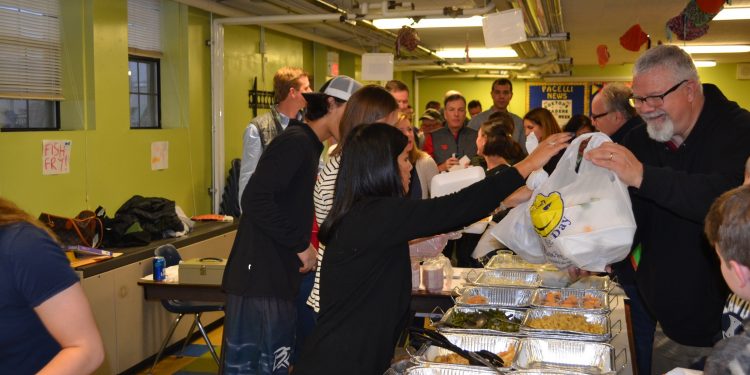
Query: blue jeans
point(258, 335)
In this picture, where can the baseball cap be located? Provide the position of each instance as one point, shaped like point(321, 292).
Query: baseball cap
point(431, 114)
point(339, 87)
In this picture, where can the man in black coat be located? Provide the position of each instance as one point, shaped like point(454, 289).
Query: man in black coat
point(692, 149)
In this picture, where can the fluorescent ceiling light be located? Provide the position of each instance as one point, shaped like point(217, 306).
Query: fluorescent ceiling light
point(460, 53)
point(739, 48)
point(424, 23)
point(704, 63)
point(733, 14)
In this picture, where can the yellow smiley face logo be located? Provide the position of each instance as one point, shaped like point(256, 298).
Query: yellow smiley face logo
point(546, 212)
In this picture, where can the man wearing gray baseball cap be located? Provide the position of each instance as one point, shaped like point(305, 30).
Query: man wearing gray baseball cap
point(272, 251)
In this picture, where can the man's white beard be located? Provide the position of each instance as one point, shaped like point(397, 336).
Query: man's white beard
point(659, 132)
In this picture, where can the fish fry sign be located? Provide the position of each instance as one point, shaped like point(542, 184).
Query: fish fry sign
point(56, 157)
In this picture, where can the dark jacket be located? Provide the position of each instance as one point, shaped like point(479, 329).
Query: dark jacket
point(264, 261)
point(678, 275)
point(444, 144)
point(366, 275)
point(625, 129)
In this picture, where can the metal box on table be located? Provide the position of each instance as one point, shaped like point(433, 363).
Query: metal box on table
point(207, 271)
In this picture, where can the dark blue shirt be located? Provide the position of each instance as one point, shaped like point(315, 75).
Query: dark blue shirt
point(33, 269)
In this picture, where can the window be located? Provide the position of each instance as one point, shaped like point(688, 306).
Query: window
point(144, 93)
point(30, 65)
point(22, 114)
point(144, 45)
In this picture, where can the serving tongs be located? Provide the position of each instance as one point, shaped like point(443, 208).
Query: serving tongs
point(479, 358)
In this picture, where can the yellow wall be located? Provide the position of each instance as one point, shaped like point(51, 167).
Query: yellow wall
point(110, 162)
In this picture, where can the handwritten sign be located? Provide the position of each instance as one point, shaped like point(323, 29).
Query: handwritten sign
point(55, 157)
point(159, 155)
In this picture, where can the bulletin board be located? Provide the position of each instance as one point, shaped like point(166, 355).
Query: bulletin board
point(562, 99)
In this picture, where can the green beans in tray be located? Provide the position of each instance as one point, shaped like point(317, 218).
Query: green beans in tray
point(497, 320)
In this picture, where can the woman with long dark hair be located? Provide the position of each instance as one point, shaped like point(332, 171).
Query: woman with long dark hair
point(366, 273)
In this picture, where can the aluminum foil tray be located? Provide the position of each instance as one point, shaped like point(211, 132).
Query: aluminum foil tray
point(546, 372)
point(429, 369)
point(523, 279)
point(596, 301)
point(471, 342)
point(584, 318)
point(447, 323)
point(510, 261)
point(561, 279)
point(495, 296)
point(585, 357)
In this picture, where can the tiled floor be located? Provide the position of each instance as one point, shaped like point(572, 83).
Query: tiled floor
point(196, 359)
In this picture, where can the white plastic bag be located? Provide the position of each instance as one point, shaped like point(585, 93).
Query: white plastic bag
point(515, 232)
point(584, 219)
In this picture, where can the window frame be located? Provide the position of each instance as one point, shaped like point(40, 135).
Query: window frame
point(56, 119)
point(157, 85)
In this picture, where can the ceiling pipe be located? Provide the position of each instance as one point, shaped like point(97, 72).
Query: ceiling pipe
point(445, 13)
point(225, 11)
point(368, 24)
point(465, 75)
point(551, 58)
point(462, 66)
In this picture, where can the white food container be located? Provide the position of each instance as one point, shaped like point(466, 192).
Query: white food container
point(451, 182)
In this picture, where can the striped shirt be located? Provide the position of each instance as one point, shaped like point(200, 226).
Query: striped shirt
point(323, 199)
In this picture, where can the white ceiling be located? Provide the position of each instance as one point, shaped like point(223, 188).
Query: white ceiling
point(589, 22)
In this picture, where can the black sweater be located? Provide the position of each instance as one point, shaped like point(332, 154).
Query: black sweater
point(679, 276)
point(366, 276)
point(277, 214)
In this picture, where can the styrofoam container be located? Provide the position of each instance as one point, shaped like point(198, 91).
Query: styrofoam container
point(451, 182)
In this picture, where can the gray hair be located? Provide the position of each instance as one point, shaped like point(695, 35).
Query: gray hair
point(671, 57)
point(617, 98)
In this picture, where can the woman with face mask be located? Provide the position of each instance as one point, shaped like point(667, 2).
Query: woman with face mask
point(539, 124)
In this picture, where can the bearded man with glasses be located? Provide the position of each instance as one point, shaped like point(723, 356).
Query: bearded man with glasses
point(692, 149)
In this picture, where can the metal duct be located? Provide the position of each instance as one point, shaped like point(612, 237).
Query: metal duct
point(223, 10)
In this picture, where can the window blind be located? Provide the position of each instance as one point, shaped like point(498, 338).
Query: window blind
point(144, 26)
point(30, 42)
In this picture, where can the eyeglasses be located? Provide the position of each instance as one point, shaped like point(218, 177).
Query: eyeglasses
point(598, 116)
point(654, 100)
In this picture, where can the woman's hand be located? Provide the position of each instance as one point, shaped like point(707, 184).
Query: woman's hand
point(548, 148)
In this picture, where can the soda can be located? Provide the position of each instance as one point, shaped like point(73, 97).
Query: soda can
point(160, 265)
